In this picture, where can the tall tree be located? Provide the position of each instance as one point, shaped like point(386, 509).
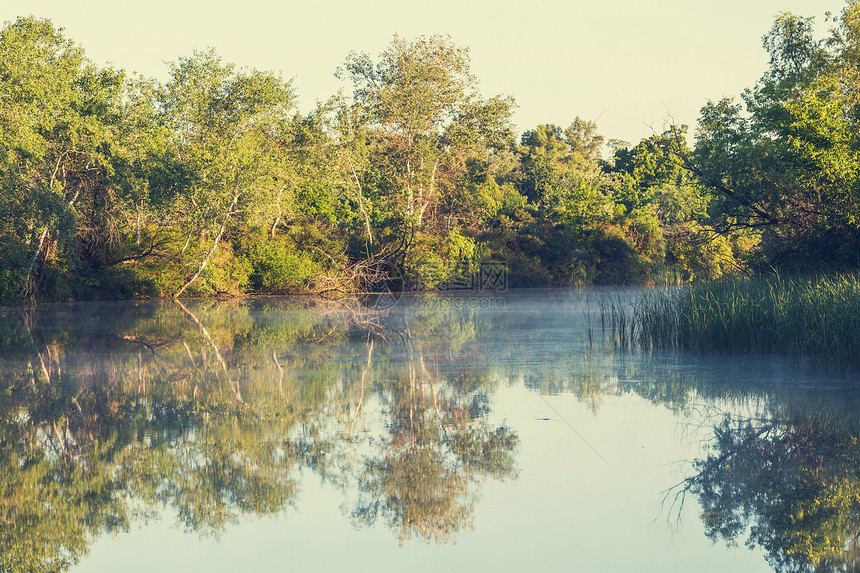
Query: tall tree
point(421, 103)
point(58, 114)
point(227, 124)
point(785, 161)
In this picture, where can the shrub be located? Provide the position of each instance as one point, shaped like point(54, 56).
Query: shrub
point(278, 268)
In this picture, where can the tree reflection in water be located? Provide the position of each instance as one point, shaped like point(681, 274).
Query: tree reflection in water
point(438, 445)
point(210, 410)
point(110, 414)
point(789, 483)
point(786, 479)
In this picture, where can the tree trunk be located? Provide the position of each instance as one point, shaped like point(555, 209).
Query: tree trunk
point(28, 289)
point(208, 256)
point(361, 205)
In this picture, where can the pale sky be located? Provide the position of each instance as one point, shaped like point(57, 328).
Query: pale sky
point(633, 66)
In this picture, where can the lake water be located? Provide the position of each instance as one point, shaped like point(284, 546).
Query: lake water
point(501, 432)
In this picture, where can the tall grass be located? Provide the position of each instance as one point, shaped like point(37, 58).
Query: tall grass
point(813, 319)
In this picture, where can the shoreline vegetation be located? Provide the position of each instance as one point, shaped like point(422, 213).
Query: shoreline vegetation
point(814, 320)
point(115, 186)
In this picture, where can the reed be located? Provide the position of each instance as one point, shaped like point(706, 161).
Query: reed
point(617, 320)
point(814, 319)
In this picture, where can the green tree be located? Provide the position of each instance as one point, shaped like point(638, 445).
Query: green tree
point(60, 121)
point(227, 125)
point(785, 161)
point(422, 120)
point(657, 179)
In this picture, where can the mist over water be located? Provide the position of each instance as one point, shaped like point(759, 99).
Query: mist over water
point(491, 431)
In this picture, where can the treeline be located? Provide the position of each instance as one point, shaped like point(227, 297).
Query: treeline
point(114, 186)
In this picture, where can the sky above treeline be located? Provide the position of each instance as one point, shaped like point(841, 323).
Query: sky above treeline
point(633, 66)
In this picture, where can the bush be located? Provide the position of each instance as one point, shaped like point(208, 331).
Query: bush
point(278, 268)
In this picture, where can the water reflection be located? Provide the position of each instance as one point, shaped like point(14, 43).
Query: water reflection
point(114, 413)
point(789, 483)
point(438, 444)
point(781, 469)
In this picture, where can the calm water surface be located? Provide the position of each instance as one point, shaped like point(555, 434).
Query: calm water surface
point(499, 433)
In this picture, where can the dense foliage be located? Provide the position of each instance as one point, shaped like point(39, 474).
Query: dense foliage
point(116, 186)
point(784, 164)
